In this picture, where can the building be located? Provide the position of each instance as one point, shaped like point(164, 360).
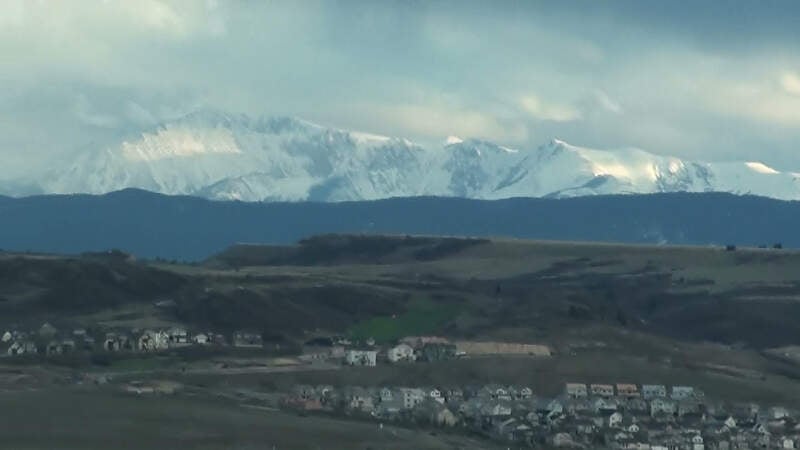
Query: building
point(660, 406)
point(151, 341)
point(401, 352)
point(247, 339)
point(576, 390)
point(412, 397)
point(602, 390)
point(651, 391)
point(682, 392)
point(627, 390)
point(361, 358)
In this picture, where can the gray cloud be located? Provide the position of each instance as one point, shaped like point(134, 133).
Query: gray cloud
point(708, 80)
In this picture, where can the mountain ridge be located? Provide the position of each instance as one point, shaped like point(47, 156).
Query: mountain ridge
point(221, 156)
point(191, 228)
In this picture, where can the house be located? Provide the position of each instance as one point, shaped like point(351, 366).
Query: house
point(662, 407)
point(615, 420)
point(682, 392)
point(116, 342)
point(778, 412)
point(525, 393)
point(68, 346)
point(563, 440)
point(361, 358)
point(494, 392)
point(636, 406)
point(627, 390)
point(513, 430)
point(47, 330)
point(312, 354)
point(697, 442)
point(150, 341)
point(688, 407)
point(602, 390)
point(579, 405)
point(436, 395)
point(576, 390)
point(360, 399)
point(390, 408)
point(585, 426)
point(651, 391)
point(201, 339)
point(178, 337)
point(454, 395)
point(386, 395)
point(496, 409)
point(246, 339)
point(7, 336)
point(604, 405)
point(401, 352)
point(412, 397)
point(22, 347)
point(53, 348)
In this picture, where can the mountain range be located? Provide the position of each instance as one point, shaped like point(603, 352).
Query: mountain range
point(220, 156)
point(191, 228)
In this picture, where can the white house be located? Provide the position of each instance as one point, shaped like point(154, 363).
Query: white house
point(7, 336)
point(615, 420)
point(436, 395)
point(525, 393)
point(401, 352)
point(361, 358)
point(201, 339)
point(697, 443)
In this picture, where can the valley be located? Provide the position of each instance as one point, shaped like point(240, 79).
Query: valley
point(715, 319)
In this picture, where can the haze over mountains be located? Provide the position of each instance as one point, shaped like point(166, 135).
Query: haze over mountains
point(233, 157)
point(190, 228)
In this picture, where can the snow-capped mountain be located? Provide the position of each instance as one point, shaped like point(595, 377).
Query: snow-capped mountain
point(225, 157)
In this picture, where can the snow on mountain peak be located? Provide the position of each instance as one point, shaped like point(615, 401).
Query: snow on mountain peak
point(179, 143)
point(761, 168)
point(452, 140)
point(222, 156)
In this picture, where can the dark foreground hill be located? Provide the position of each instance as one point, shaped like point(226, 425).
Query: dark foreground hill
point(187, 228)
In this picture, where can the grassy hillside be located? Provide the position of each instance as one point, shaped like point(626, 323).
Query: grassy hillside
point(384, 287)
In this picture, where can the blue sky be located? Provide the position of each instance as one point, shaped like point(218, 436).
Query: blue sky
point(707, 80)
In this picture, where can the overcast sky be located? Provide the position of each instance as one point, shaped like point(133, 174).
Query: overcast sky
point(707, 80)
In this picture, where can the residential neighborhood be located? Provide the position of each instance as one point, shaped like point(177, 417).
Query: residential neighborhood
point(614, 416)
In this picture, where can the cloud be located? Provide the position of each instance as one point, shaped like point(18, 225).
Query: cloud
point(710, 85)
point(86, 114)
point(540, 110)
point(758, 100)
point(607, 103)
point(790, 81)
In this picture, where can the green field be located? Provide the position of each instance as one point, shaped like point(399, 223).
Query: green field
point(422, 317)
